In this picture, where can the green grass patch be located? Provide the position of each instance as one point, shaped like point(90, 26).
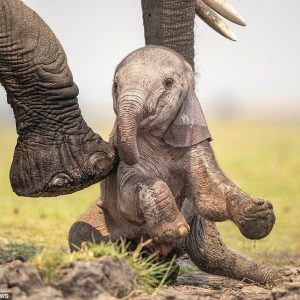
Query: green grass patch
point(21, 251)
point(151, 273)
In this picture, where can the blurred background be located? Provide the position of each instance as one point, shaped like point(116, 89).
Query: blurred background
point(257, 77)
point(249, 91)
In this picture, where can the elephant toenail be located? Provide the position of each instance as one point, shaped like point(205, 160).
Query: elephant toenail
point(155, 239)
point(183, 230)
point(97, 163)
point(260, 201)
point(100, 203)
point(60, 180)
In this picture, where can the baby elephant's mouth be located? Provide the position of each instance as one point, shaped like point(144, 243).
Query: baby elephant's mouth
point(62, 167)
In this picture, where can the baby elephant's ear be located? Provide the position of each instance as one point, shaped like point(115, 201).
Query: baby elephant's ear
point(189, 127)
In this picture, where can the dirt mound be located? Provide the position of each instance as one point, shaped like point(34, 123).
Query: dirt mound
point(105, 278)
point(87, 280)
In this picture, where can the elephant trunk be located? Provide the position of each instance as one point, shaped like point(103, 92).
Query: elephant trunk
point(56, 153)
point(129, 112)
point(170, 24)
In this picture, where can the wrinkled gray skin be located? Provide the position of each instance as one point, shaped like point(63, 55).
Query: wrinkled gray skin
point(56, 152)
point(162, 188)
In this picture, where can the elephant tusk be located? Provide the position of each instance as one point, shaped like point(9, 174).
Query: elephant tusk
point(226, 10)
point(205, 13)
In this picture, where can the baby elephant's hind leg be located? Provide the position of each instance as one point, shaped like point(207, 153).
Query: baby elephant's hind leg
point(90, 227)
point(164, 222)
point(210, 254)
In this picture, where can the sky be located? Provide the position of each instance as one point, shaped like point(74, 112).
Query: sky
point(262, 69)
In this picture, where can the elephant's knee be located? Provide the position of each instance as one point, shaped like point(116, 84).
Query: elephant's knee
point(157, 194)
point(159, 186)
point(158, 202)
point(83, 232)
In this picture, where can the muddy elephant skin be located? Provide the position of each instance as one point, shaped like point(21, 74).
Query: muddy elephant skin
point(163, 142)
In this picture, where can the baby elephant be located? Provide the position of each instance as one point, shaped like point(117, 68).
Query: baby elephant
point(168, 180)
point(166, 158)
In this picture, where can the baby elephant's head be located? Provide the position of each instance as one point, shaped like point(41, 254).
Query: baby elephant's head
point(153, 92)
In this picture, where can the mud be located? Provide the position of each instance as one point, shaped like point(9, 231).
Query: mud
point(193, 284)
point(109, 279)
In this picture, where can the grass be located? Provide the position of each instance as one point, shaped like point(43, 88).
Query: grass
point(151, 274)
point(22, 251)
point(263, 159)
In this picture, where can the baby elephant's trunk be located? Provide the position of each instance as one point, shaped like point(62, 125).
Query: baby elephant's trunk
point(129, 111)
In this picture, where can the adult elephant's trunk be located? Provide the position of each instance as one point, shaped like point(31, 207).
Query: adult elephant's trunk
point(129, 111)
point(56, 153)
point(170, 23)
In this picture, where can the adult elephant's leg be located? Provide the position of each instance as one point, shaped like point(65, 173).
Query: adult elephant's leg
point(207, 250)
point(219, 199)
point(90, 227)
point(56, 152)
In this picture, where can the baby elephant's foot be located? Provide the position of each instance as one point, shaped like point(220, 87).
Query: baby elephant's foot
point(171, 232)
point(254, 217)
point(284, 274)
point(164, 222)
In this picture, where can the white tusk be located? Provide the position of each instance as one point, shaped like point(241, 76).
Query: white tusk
point(213, 20)
point(223, 8)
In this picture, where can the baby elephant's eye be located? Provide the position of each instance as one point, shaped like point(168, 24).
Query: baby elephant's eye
point(115, 86)
point(168, 82)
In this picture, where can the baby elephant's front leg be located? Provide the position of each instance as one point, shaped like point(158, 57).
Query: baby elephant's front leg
point(164, 222)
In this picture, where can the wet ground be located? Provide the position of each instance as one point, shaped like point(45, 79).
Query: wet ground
point(110, 279)
point(192, 284)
